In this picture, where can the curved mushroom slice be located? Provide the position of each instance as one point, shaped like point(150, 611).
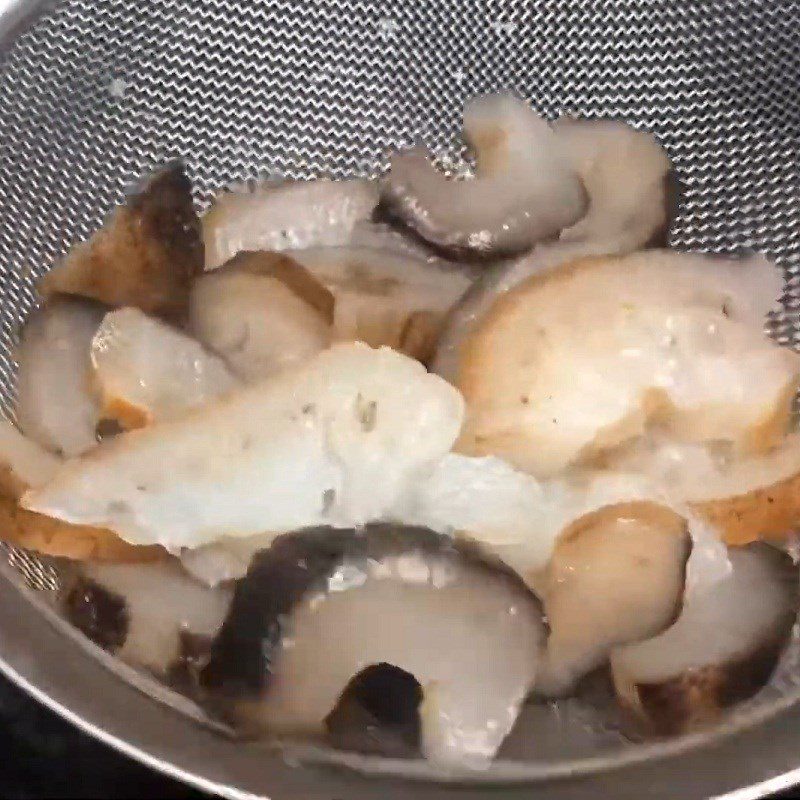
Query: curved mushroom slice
point(568, 365)
point(147, 371)
point(288, 216)
point(141, 611)
point(55, 403)
point(616, 576)
point(261, 312)
point(467, 631)
point(525, 189)
point(627, 177)
point(723, 647)
point(387, 298)
point(301, 449)
point(145, 255)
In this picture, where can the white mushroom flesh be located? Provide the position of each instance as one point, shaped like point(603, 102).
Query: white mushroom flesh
point(722, 647)
point(467, 631)
point(28, 463)
point(284, 217)
point(55, 402)
point(302, 449)
point(146, 370)
point(719, 622)
point(377, 292)
point(255, 322)
point(626, 176)
point(470, 699)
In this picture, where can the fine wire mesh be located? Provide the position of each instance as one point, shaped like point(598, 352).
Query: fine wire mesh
point(97, 93)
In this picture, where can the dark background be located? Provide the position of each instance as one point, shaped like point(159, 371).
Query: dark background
point(42, 756)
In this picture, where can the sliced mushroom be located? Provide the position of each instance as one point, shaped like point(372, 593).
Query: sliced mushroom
point(632, 199)
point(467, 631)
point(511, 513)
point(145, 255)
point(140, 612)
point(628, 179)
point(577, 361)
point(525, 190)
point(722, 648)
point(616, 576)
point(146, 370)
point(55, 402)
point(385, 297)
point(261, 312)
point(301, 449)
point(25, 464)
point(287, 216)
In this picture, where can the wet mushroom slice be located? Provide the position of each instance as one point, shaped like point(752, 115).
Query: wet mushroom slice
point(579, 360)
point(722, 648)
point(616, 576)
point(629, 182)
point(286, 216)
point(145, 370)
point(525, 189)
point(141, 611)
point(321, 605)
point(145, 255)
point(301, 449)
point(55, 403)
point(261, 312)
point(385, 297)
point(632, 195)
point(23, 465)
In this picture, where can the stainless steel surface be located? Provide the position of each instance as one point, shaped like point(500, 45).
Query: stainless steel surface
point(93, 94)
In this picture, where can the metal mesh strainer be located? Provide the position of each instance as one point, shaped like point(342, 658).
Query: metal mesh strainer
point(93, 93)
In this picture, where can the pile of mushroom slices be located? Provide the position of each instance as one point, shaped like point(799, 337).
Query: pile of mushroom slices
point(380, 461)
